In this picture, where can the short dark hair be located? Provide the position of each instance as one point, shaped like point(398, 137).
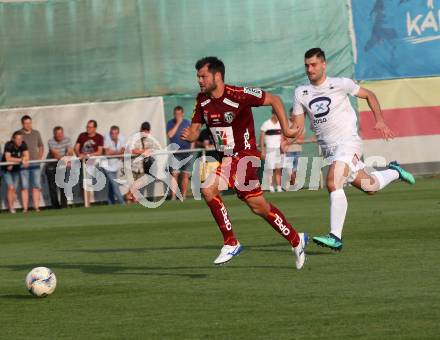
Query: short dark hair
point(214, 65)
point(25, 117)
point(114, 127)
point(16, 133)
point(315, 52)
point(178, 108)
point(56, 128)
point(95, 123)
point(145, 126)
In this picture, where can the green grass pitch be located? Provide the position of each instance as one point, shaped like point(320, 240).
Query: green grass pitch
point(137, 273)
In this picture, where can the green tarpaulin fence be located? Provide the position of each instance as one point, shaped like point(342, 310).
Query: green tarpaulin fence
point(65, 51)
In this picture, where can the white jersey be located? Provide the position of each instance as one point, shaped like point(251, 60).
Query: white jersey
point(332, 117)
point(272, 134)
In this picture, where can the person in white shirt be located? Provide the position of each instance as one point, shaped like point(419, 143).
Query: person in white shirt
point(270, 144)
point(291, 149)
point(114, 144)
point(325, 100)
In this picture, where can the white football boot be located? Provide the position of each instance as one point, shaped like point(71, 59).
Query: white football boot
point(227, 253)
point(299, 250)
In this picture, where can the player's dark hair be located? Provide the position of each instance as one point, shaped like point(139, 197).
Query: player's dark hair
point(214, 65)
point(56, 128)
point(114, 127)
point(315, 52)
point(178, 108)
point(16, 133)
point(94, 122)
point(146, 126)
point(25, 117)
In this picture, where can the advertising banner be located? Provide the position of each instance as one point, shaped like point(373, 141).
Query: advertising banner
point(396, 38)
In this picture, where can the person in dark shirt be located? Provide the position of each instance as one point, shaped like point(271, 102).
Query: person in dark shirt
point(88, 144)
point(211, 162)
point(16, 151)
point(175, 127)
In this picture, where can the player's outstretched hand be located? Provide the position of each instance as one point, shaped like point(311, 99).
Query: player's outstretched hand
point(294, 131)
point(384, 130)
point(185, 134)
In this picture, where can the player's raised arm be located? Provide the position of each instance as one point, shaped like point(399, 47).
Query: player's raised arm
point(192, 133)
point(278, 108)
point(374, 105)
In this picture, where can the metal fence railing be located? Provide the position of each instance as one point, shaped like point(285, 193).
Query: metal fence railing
point(156, 153)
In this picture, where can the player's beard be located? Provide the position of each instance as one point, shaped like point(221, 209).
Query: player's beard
point(210, 89)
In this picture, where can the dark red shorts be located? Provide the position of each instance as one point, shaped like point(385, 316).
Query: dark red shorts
point(241, 174)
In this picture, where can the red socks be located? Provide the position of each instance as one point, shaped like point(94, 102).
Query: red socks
point(280, 224)
point(275, 218)
point(221, 216)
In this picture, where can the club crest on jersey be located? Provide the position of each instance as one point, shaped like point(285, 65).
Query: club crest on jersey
point(254, 91)
point(320, 106)
point(228, 117)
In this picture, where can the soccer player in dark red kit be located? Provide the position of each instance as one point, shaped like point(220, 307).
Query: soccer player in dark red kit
point(226, 111)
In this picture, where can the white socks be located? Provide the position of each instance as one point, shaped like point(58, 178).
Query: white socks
point(385, 177)
point(338, 200)
point(338, 210)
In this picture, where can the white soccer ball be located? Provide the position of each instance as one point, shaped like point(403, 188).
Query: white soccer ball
point(41, 281)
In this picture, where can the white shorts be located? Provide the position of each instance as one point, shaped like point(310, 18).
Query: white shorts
point(274, 159)
point(349, 152)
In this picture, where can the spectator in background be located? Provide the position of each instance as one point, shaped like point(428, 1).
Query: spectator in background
point(144, 146)
point(114, 144)
point(206, 141)
point(16, 151)
point(270, 143)
point(89, 144)
point(59, 147)
point(291, 149)
point(31, 175)
point(174, 130)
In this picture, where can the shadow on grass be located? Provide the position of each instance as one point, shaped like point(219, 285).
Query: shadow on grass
point(274, 247)
point(160, 271)
point(114, 269)
point(17, 297)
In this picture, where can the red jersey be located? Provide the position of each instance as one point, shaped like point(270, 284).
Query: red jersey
point(229, 118)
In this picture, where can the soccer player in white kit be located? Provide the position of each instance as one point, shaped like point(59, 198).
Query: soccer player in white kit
point(325, 100)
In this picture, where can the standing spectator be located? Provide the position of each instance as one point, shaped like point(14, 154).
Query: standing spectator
point(31, 175)
point(144, 146)
point(113, 145)
point(291, 149)
point(16, 151)
point(270, 142)
point(59, 147)
point(206, 141)
point(174, 130)
point(88, 144)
